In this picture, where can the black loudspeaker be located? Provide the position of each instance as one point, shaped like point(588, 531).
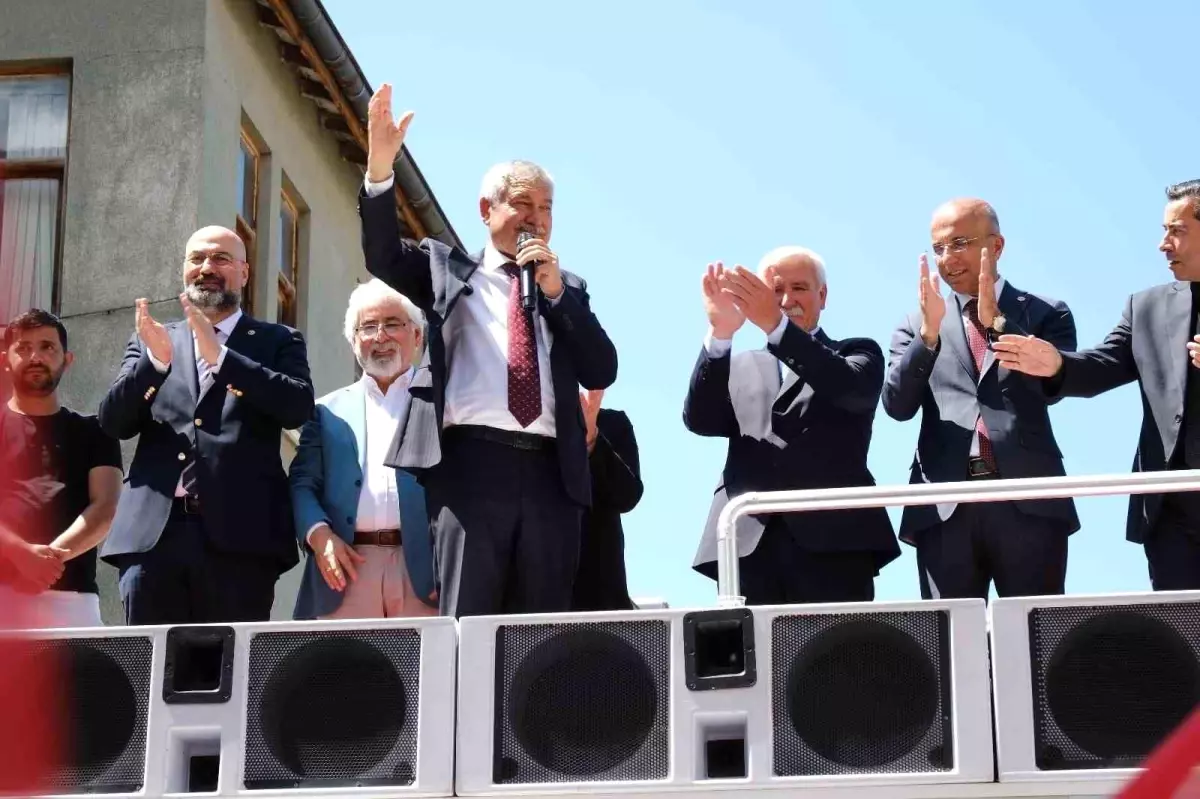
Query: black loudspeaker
point(102, 710)
point(862, 693)
point(1111, 683)
point(582, 702)
point(332, 708)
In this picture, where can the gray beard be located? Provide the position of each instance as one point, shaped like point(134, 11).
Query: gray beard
point(382, 368)
point(213, 300)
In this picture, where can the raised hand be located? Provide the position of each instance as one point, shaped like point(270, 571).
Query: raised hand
point(548, 275)
point(153, 334)
point(207, 343)
point(1193, 348)
point(724, 317)
point(753, 296)
point(385, 134)
point(933, 304)
point(987, 288)
point(1028, 354)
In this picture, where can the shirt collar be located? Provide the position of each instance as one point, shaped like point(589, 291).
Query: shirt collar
point(493, 259)
point(963, 299)
point(400, 384)
point(227, 324)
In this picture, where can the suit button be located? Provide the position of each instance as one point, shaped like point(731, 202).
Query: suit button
point(199, 422)
point(182, 456)
point(349, 520)
point(1178, 418)
point(358, 483)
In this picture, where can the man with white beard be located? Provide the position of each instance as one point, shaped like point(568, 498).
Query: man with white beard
point(364, 524)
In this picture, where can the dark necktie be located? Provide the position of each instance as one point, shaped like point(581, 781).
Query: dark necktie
point(978, 342)
point(524, 381)
point(789, 383)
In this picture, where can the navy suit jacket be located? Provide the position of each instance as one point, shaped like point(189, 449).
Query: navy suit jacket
point(942, 383)
point(818, 439)
point(1147, 345)
point(326, 479)
point(233, 431)
point(433, 275)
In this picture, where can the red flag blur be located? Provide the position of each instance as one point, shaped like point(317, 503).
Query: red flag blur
point(1171, 768)
point(28, 683)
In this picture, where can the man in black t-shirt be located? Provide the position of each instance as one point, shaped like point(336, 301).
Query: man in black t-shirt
point(61, 482)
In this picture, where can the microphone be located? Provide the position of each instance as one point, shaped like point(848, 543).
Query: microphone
point(528, 284)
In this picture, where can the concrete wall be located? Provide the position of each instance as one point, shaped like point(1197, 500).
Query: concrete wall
point(159, 92)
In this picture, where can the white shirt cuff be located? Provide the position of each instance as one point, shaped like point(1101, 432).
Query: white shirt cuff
point(155, 362)
point(311, 530)
point(220, 360)
point(717, 347)
point(376, 189)
point(776, 335)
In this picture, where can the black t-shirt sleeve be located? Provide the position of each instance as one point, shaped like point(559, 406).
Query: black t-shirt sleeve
point(99, 448)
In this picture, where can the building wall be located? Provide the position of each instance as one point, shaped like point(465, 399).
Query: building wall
point(160, 89)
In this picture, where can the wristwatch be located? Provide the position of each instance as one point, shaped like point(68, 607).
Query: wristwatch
point(997, 327)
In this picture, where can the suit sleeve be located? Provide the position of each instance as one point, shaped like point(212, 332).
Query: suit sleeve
point(284, 393)
point(1108, 366)
point(616, 468)
point(401, 263)
point(1058, 329)
point(306, 479)
point(708, 408)
point(575, 326)
point(125, 409)
point(909, 365)
point(851, 380)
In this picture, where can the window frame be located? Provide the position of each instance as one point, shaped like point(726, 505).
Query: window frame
point(287, 277)
point(247, 229)
point(45, 168)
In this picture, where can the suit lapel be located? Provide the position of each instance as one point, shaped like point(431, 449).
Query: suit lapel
point(956, 336)
point(454, 279)
point(1177, 324)
point(356, 417)
point(185, 357)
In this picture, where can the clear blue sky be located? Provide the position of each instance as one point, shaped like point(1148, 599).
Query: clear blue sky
point(681, 133)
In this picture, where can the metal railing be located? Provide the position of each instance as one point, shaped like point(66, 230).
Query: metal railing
point(728, 586)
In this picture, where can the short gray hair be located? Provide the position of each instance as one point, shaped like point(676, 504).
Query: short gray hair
point(372, 291)
point(500, 178)
point(791, 251)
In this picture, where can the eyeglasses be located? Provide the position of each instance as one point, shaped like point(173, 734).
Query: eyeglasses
point(215, 258)
point(956, 245)
point(371, 329)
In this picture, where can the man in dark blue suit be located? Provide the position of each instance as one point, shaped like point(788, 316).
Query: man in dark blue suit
point(1148, 346)
point(797, 415)
point(364, 524)
point(979, 420)
point(204, 527)
point(494, 431)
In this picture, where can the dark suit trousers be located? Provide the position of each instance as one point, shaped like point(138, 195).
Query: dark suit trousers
point(183, 580)
point(778, 572)
point(1173, 545)
point(985, 542)
point(601, 583)
point(506, 535)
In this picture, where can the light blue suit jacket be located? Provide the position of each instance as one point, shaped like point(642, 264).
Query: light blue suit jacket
point(326, 478)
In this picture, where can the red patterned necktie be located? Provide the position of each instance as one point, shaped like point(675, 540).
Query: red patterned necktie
point(978, 344)
point(524, 381)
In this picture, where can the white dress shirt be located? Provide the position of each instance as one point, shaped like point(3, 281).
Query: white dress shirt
point(203, 369)
point(379, 498)
point(476, 337)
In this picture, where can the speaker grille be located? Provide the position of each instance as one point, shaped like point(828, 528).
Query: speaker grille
point(333, 708)
point(102, 709)
point(585, 702)
point(1110, 683)
point(861, 693)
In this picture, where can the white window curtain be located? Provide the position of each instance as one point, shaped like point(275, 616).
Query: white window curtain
point(33, 127)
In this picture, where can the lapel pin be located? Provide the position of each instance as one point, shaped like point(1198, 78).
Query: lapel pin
point(249, 332)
